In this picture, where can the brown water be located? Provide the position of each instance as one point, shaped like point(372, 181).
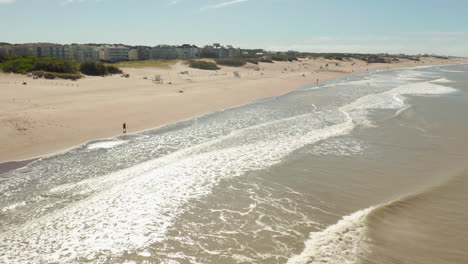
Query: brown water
point(369, 169)
point(427, 227)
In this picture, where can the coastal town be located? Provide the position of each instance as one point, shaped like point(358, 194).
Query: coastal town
point(117, 53)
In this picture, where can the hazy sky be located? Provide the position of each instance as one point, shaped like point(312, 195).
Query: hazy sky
point(394, 26)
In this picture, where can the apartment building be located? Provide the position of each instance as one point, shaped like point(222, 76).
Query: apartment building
point(139, 53)
point(50, 50)
point(187, 51)
point(113, 53)
point(5, 50)
point(164, 52)
point(83, 53)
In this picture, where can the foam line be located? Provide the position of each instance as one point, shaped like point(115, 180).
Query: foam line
point(340, 243)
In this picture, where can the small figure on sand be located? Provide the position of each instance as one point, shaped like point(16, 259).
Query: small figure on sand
point(124, 127)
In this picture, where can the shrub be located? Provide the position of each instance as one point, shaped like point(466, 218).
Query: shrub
point(56, 65)
point(231, 62)
point(3, 57)
point(25, 64)
point(283, 58)
point(203, 65)
point(113, 70)
point(252, 60)
point(208, 54)
point(265, 60)
point(98, 68)
point(18, 64)
point(93, 68)
point(53, 75)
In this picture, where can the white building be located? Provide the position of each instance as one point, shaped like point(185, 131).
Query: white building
point(133, 55)
point(113, 53)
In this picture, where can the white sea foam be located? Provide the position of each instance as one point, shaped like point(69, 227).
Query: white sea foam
point(412, 75)
point(105, 144)
point(393, 99)
point(422, 88)
point(12, 206)
point(443, 80)
point(341, 243)
point(451, 71)
point(137, 211)
point(338, 147)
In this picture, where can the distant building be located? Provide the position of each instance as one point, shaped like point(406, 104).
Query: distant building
point(22, 50)
point(233, 51)
point(113, 53)
point(139, 53)
point(5, 50)
point(51, 50)
point(42, 50)
point(143, 53)
point(164, 52)
point(83, 53)
point(109, 53)
point(133, 55)
point(218, 51)
point(187, 51)
point(293, 53)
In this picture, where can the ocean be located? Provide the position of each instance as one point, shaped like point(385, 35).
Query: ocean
point(369, 168)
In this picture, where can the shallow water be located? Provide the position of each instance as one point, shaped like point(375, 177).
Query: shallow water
point(320, 175)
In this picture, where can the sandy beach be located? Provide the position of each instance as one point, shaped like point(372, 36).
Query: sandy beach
point(48, 116)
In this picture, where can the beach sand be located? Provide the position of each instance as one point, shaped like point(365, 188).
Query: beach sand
point(48, 116)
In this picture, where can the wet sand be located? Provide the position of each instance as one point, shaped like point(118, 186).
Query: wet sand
point(12, 165)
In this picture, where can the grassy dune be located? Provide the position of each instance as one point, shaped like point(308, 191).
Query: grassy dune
point(146, 63)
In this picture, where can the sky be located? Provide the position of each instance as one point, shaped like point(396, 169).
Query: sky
point(361, 26)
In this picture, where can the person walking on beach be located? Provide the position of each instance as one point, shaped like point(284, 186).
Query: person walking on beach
point(124, 127)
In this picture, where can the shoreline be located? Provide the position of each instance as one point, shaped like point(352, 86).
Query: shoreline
point(216, 90)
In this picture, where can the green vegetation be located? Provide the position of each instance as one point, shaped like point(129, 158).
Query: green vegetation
point(414, 59)
point(283, 58)
point(56, 65)
point(18, 64)
point(3, 57)
point(208, 54)
point(239, 61)
point(53, 75)
point(98, 69)
point(145, 64)
point(203, 65)
point(51, 68)
point(252, 60)
point(266, 60)
point(27, 64)
point(334, 56)
point(233, 62)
